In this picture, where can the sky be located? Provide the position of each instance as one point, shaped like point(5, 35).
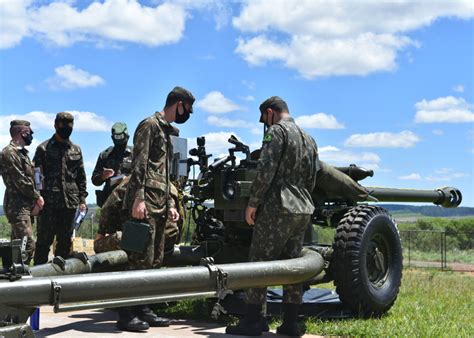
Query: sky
point(385, 85)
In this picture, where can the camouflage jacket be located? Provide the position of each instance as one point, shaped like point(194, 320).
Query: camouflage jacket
point(111, 158)
point(62, 166)
point(112, 216)
point(286, 171)
point(150, 177)
point(18, 176)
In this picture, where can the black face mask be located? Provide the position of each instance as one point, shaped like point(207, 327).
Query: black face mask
point(184, 117)
point(120, 144)
point(64, 132)
point(120, 141)
point(28, 138)
point(266, 123)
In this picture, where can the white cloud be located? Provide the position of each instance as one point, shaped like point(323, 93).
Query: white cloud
point(61, 23)
point(404, 139)
point(438, 132)
point(412, 177)
point(439, 175)
point(83, 121)
point(229, 123)
point(249, 98)
point(324, 38)
point(249, 84)
point(216, 103)
point(458, 88)
point(71, 77)
point(13, 23)
point(446, 177)
point(216, 143)
point(447, 109)
point(313, 57)
point(319, 121)
point(338, 157)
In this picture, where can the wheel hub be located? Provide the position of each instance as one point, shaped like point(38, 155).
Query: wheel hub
point(377, 261)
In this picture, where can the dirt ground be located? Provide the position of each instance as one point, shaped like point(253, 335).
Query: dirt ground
point(101, 323)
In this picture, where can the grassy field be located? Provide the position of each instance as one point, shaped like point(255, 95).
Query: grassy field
point(430, 303)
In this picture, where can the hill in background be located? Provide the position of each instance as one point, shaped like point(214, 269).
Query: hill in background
point(398, 209)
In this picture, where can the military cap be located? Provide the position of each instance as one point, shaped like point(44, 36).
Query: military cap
point(18, 123)
point(119, 128)
point(183, 95)
point(64, 117)
point(271, 103)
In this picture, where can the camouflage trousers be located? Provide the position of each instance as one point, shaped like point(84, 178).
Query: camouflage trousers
point(108, 243)
point(277, 237)
point(21, 227)
point(54, 223)
point(153, 255)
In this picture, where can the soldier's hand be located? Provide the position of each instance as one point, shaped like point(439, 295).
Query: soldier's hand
point(250, 213)
point(107, 173)
point(139, 209)
point(35, 211)
point(40, 202)
point(173, 214)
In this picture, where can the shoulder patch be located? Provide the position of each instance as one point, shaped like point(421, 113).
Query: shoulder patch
point(267, 138)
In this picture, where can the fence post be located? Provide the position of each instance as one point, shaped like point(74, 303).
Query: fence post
point(441, 248)
point(409, 248)
point(92, 226)
point(445, 250)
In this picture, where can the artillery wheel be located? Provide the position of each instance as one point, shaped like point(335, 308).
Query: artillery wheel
point(367, 262)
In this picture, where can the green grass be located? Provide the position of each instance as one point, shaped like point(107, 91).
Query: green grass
point(430, 303)
point(452, 256)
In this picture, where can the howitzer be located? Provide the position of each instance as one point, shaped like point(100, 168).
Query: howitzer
point(364, 262)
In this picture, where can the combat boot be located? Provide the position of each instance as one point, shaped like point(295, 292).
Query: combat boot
point(145, 314)
point(290, 325)
point(129, 322)
point(250, 324)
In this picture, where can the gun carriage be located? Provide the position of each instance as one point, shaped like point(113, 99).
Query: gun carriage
point(364, 261)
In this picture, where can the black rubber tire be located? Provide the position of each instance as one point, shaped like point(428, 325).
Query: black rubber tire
point(367, 261)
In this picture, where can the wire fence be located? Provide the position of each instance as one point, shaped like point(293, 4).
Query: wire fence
point(446, 250)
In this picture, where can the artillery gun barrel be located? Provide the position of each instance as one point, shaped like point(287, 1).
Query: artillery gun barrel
point(447, 197)
point(81, 264)
point(129, 285)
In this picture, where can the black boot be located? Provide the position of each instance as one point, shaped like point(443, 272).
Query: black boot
point(144, 313)
point(290, 326)
point(250, 324)
point(129, 322)
point(265, 327)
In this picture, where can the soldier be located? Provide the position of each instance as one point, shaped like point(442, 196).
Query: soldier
point(21, 195)
point(64, 189)
point(112, 162)
point(112, 217)
point(279, 208)
point(148, 194)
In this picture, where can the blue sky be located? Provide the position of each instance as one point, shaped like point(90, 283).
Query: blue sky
point(381, 84)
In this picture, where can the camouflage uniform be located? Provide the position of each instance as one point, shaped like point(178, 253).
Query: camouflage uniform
point(64, 189)
point(112, 217)
point(286, 175)
point(150, 181)
point(20, 193)
point(112, 158)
